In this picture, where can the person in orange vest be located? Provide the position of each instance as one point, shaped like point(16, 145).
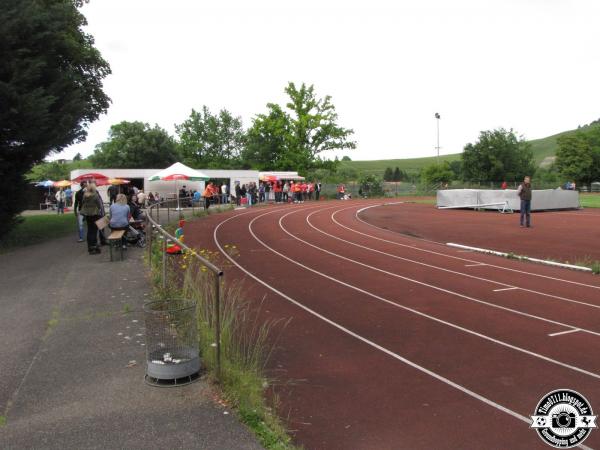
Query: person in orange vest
point(207, 195)
point(304, 189)
point(298, 192)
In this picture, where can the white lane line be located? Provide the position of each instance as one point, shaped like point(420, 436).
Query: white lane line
point(408, 362)
point(475, 265)
point(562, 280)
point(506, 289)
point(574, 330)
point(438, 267)
point(414, 311)
point(421, 283)
point(526, 258)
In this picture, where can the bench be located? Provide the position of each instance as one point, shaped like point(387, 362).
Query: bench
point(115, 239)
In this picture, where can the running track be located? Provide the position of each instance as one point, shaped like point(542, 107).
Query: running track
point(397, 342)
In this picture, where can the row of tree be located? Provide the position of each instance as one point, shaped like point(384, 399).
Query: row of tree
point(394, 175)
point(501, 155)
point(290, 137)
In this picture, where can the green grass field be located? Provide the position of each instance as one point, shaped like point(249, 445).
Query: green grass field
point(541, 148)
point(590, 200)
point(39, 228)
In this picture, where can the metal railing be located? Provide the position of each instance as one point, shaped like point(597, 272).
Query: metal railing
point(153, 226)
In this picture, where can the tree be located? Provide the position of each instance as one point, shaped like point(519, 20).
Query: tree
point(457, 169)
point(398, 175)
point(134, 145)
point(437, 173)
point(49, 171)
point(207, 140)
point(77, 157)
point(313, 120)
point(370, 186)
point(294, 138)
point(388, 175)
point(50, 89)
point(55, 170)
point(346, 158)
point(497, 155)
point(578, 156)
point(268, 141)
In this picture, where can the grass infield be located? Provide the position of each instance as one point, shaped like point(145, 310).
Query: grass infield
point(590, 200)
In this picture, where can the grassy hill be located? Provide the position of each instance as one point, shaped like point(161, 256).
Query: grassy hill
point(543, 150)
point(377, 167)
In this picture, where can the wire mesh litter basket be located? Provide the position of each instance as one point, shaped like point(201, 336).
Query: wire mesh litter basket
point(172, 357)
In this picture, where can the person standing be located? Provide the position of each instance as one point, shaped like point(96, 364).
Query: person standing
point(69, 197)
point(112, 192)
point(238, 193)
point(61, 198)
point(524, 192)
point(91, 209)
point(77, 208)
point(207, 195)
point(284, 192)
point(317, 190)
point(225, 193)
point(141, 198)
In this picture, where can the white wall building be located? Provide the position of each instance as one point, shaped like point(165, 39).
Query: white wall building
point(167, 189)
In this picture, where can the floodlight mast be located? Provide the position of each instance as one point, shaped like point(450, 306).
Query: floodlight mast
point(437, 116)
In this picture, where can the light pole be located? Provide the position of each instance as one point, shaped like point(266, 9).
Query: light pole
point(437, 116)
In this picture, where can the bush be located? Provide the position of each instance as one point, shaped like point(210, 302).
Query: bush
point(370, 186)
point(437, 173)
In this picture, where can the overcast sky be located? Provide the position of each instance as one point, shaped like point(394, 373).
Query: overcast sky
point(531, 65)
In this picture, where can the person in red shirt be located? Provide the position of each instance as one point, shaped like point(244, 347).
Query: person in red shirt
point(311, 189)
point(341, 191)
point(304, 189)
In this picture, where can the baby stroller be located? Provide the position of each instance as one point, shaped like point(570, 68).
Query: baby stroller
point(136, 233)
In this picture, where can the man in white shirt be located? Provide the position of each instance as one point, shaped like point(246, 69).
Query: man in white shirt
point(224, 193)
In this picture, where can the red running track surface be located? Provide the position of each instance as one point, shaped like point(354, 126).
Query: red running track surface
point(571, 235)
point(396, 342)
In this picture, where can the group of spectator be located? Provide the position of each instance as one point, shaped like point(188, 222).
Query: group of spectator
point(89, 209)
point(280, 191)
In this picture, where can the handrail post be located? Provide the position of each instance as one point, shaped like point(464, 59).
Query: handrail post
point(149, 237)
point(168, 212)
point(164, 263)
point(218, 326)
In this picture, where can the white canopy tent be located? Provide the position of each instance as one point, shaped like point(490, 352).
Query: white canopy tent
point(176, 172)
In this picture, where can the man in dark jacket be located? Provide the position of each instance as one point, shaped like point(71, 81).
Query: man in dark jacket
point(524, 193)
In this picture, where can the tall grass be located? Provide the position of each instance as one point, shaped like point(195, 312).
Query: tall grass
point(246, 345)
point(247, 341)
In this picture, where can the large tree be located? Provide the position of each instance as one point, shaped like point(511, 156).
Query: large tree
point(50, 89)
point(498, 155)
point(135, 145)
point(268, 141)
point(294, 137)
point(578, 155)
point(211, 140)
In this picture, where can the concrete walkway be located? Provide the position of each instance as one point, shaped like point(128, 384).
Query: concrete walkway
point(72, 360)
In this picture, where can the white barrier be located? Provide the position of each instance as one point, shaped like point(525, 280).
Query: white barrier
point(489, 199)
